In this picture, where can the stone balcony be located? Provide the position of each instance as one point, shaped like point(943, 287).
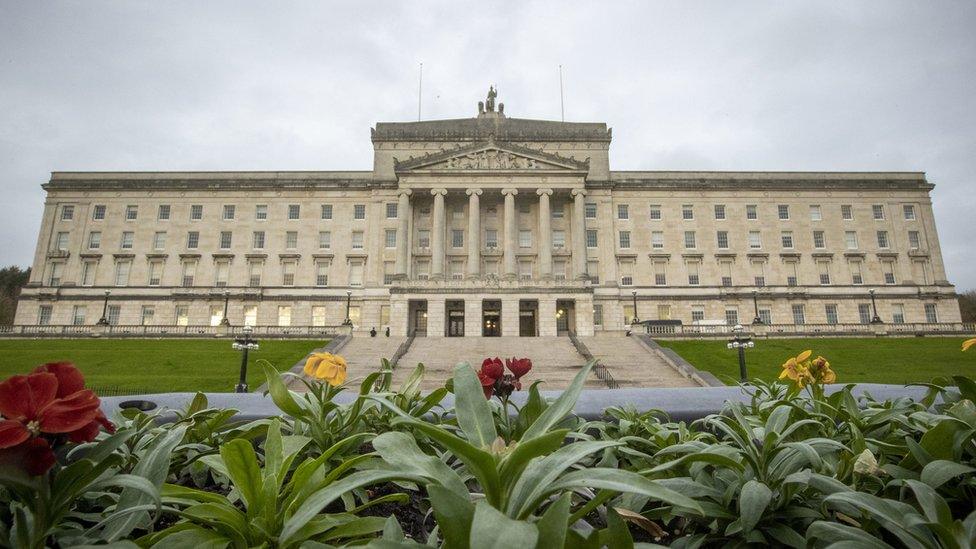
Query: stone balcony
point(490, 284)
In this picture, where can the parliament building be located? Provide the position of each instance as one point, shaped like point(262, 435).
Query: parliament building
point(487, 226)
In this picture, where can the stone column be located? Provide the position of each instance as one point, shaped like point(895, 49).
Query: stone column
point(511, 243)
point(579, 233)
point(545, 235)
point(437, 236)
point(474, 233)
point(403, 230)
point(547, 317)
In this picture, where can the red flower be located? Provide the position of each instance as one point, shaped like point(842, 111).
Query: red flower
point(518, 366)
point(71, 380)
point(491, 371)
point(494, 380)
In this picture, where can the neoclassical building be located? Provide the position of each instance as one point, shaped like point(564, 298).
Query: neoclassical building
point(487, 226)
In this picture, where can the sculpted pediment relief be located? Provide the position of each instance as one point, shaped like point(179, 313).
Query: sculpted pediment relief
point(491, 156)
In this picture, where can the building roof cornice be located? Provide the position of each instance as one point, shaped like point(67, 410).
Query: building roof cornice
point(792, 181)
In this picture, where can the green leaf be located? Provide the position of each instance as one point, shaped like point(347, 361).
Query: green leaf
point(280, 395)
point(554, 523)
point(454, 514)
point(560, 407)
point(223, 517)
point(940, 471)
point(514, 463)
point(616, 534)
point(935, 508)
point(411, 386)
point(833, 532)
point(198, 538)
point(401, 451)
point(356, 528)
point(753, 500)
point(243, 470)
point(472, 408)
point(939, 441)
point(198, 404)
point(491, 529)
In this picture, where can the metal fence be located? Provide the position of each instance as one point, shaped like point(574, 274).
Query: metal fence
point(68, 331)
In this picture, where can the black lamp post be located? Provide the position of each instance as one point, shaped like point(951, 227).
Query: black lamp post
point(244, 344)
point(104, 320)
point(874, 307)
point(740, 343)
point(635, 320)
point(755, 306)
point(225, 321)
point(348, 320)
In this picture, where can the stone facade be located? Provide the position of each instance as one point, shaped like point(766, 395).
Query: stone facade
point(487, 226)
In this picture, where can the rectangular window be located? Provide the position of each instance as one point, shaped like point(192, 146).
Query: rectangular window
point(558, 212)
point(229, 211)
point(693, 276)
point(148, 313)
point(847, 212)
point(127, 239)
point(622, 211)
point(593, 271)
point(625, 239)
point(182, 315)
point(731, 317)
point(786, 237)
point(221, 273)
point(163, 212)
point(254, 271)
point(888, 268)
point(326, 213)
point(664, 312)
point(882, 239)
point(627, 274)
point(752, 212)
point(322, 274)
point(722, 238)
point(423, 269)
point(455, 269)
point(359, 211)
point(78, 314)
point(687, 212)
point(61, 242)
point(225, 239)
point(288, 273)
point(261, 212)
point(660, 273)
point(816, 214)
point(356, 273)
point(457, 238)
point(525, 270)
point(655, 212)
point(56, 270)
point(755, 240)
point(294, 212)
point(720, 211)
point(726, 269)
point(122, 273)
point(877, 210)
point(830, 311)
point(257, 240)
point(388, 273)
point(850, 240)
point(98, 212)
point(291, 240)
point(792, 274)
point(690, 240)
point(931, 313)
point(155, 272)
point(159, 240)
point(559, 269)
point(766, 316)
point(196, 212)
point(590, 210)
point(390, 238)
point(558, 239)
point(525, 238)
point(913, 240)
point(598, 315)
point(758, 273)
point(284, 315)
point(798, 314)
point(784, 211)
point(856, 277)
point(819, 241)
point(591, 238)
point(391, 210)
point(491, 238)
point(325, 240)
point(657, 240)
point(423, 238)
point(823, 268)
point(216, 315)
point(44, 315)
point(131, 213)
point(864, 313)
point(113, 314)
point(189, 272)
point(909, 211)
point(251, 315)
point(318, 315)
point(357, 240)
point(88, 273)
point(898, 313)
point(697, 313)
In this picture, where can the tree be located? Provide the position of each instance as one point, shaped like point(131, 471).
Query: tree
point(967, 306)
point(12, 279)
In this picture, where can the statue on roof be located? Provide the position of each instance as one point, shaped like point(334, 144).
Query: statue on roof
point(490, 102)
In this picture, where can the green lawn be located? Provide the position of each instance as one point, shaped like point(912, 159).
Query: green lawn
point(856, 360)
point(152, 365)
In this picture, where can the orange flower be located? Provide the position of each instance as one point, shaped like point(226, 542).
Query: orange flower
point(327, 367)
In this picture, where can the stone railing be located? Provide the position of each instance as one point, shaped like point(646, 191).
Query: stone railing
point(159, 331)
point(665, 331)
point(487, 283)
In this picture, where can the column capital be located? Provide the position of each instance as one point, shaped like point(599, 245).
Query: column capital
point(404, 192)
point(512, 192)
point(473, 192)
point(546, 192)
point(435, 192)
point(579, 192)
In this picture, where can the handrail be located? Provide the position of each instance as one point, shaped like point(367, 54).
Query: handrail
point(601, 371)
point(401, 351)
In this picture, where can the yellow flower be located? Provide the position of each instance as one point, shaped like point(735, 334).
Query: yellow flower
point(804, 355)
point(796, 371)
point(968, 343)
point(326, 367)
point(820, 370)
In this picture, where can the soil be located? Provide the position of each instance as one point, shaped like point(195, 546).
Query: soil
point(413, 515)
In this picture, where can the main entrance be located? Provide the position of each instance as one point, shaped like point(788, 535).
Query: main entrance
point(417, 317)
point(528, 314)
point(455, 318)
point(565, 317)
point(491, 318)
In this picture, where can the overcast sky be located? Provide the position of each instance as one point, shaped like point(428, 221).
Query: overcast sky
point(267, 86)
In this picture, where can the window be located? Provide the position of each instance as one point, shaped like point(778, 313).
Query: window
point(391, 210)
point(816, 214)
point(251, 315)
point(322, 273)
point(221, 273)
point(823, 267)
point(524, 208)
point(720, 211)
point(423, 269)
point(590, 210)
point(189, 272)
point(558, 212)
point(390, 239)
point(758, 274)
point(897, 313)
point(457, 238)
point(850, 240)
point(229, 211)
point(196, 212)
point(882, 239)
point(627, 273)
point(655, 212)
point(786, 237)
point(44, 315)
point(723, 239)
point(591, 238)
point(913, 240)
point(288, 273)
point(559, 269)
point(598, 315)
point(525, 270)
point(687, 212)
point(182, 315)
point(664, 312)
point(78, 314)
point(354, 313)
point(491, 238)
point(856, 277)
point(225, 239)
point(325, 240)
point(766, 316)
point(792, 274)
point(356, 273)
point(888, 268)
point(216, 315)
point(67, 212)
point(163, 213)
point(798, 315)
point(593, 271)
point(726, 269)
point(693, 276)
point(318, 315)
point(525, 238)
point(122, 273)
point(327, 211)
point(622, 211)
point(257, 240)
point(357, 240)
point(558, 239)
point(261, 212)
point(113, 314)
point(159, 240)
point(625, 239)
point(388, 274)
point(291, 240)
point(755, 240)
point(697, 313)
point(657, 240)
point(909, 211)
point(254, 271)
point(877, 211)
point(752, 212)
point(423, 238)
point(55, 278)
point(155, 272)
point(931, 314)
point(88, 273)
point(455, 269)
point(660, 273)
point(61, 242)
point(830, 312)
point(359, 211)
point(819, 241)
point(731, 317)
point(284, 315)
point(294, 211)
point(127, 239)
point(784, 211)
point(131, 213)
point(690, 240)
point(148, 312)
point(98, 212)
point(864, 313)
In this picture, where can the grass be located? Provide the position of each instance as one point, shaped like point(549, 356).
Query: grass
point(128, 366)
point(856, 360)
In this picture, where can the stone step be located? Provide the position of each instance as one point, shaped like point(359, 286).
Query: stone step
point(633, 365)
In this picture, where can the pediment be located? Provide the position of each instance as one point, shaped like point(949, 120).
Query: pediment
point(491, 156)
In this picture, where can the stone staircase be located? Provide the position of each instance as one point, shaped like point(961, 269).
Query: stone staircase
point(554, 359)
point(633, 365)
point(363, 354)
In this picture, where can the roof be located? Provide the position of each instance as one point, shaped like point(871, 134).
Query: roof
point(499, 127)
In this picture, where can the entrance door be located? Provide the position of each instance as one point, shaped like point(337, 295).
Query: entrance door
point(528, 310)
point(418, 318)
point(455, 323)
point(565, 317)
point(491, 318)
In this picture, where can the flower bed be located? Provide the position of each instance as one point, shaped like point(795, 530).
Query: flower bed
point(386, 466)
